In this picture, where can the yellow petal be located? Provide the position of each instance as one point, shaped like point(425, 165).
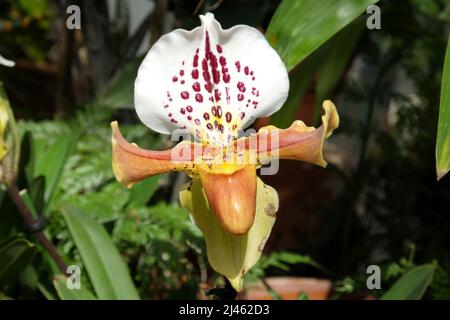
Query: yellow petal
point(228, 254)
point(132, 164)
point(298, 142)
point(231, 195)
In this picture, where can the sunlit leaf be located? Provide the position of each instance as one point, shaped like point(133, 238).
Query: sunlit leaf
point(299, 27)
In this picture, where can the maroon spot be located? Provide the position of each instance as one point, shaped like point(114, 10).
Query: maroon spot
point(189, 109)
point(220, 128)
point(209, 126)
point(206, 116)
point(170, 114)
point(198, 97)
point(185, 95)
point(222, 61)
point(181, 72)
point(228, 117)
point(166, 106)
point(251, 73)
point(216, 124)
point(182, 81)
point(208, 87)
point(216, 76)
point(217, 94)
point(241, 86)
point(219, 48)
point(183, 111)
point(242, 115)
point(195, 62)
point(214, 111)
point(173, 121)
point(246, 70)
point(219, 112)
point(174, 79)
point(238, 66)
point(189, 117)
point(196, 86)
point(253, 78)
point(194, 74)
point(240, 97)
point(197, 122)
point(226, 77)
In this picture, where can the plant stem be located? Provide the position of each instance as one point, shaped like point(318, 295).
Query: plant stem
point(14, 194)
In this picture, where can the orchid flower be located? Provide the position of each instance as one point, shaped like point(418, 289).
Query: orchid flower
point(214, 83)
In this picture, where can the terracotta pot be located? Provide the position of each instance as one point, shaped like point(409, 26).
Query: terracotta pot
point(289, 288)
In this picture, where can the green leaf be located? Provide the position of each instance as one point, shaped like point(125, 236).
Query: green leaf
point(106, 268)
point(338, 55)
point(15, 255)
point(412, 285)
point(51, 163)
point(299, 27)
point(141, 192)
point(70, 294)
point(443, 134)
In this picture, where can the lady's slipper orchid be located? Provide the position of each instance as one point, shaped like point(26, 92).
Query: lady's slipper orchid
point(214, 83)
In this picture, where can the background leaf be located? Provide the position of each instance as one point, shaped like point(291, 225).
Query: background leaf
point(443, 134)
point(107, 270)
point(15, 255)
point(51, 163)
point(141, 193)
point(299, 27)
point(412, 285)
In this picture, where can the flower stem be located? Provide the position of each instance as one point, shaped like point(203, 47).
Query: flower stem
point(14, 194)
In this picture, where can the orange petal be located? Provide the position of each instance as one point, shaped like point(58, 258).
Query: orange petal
point(231, 195)
point(298, 142)
point(132, 164)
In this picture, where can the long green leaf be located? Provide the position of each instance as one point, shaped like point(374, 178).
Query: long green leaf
point(14, 257)
point(412, 285)
point(65, 293)
point(299, 27)
point(443, 134)
point(107, 270)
